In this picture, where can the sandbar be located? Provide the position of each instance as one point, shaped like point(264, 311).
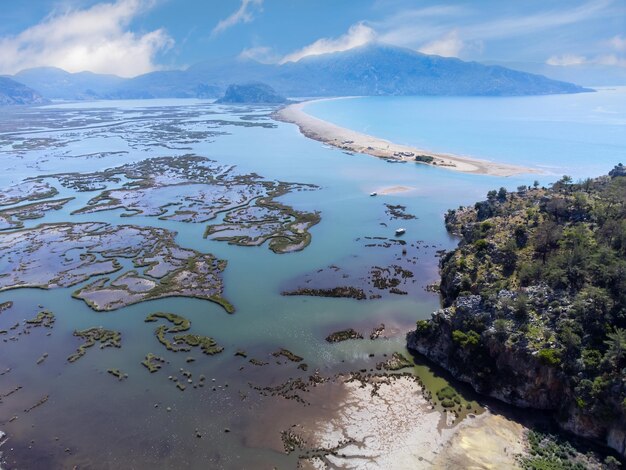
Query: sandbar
point(353, 141)
point(394, 190)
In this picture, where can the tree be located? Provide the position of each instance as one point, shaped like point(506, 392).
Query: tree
point(557, 207)
point(616, 343)
point(570, 338)
point(502, 192)
point(546, 237)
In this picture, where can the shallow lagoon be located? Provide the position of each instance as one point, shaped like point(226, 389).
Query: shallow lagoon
point(107, 423)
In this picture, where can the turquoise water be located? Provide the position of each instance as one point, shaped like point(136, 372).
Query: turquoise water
point(112, 424)
point(580, 135)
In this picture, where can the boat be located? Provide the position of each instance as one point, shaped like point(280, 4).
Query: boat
point(400, 231)
point(374, 193)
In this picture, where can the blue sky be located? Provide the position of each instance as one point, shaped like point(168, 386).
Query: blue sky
point(129, 37)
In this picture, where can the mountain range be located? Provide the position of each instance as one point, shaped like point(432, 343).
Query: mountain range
point(374, 69)
point(15, 93)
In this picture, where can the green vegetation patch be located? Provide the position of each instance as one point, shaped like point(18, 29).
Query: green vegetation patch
point(288, 355)
point(181, 342)
point(552, 452)
point(92, 336)
point(343, 335)
point(397, 361)
point(44, 318)
point(153, 363)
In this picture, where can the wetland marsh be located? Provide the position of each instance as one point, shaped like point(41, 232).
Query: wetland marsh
point(195, 258)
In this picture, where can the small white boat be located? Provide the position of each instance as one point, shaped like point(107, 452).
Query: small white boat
point(400, 231)
point(374, 193)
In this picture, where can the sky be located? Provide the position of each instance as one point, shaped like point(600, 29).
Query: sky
point(132, 37)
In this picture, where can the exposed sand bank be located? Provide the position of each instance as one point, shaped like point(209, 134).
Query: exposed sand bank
point(488, 441)
point(385, 423)
point(394, 190)
point(357, 142)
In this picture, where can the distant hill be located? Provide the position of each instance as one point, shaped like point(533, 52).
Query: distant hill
point(55, 83)
point(374, 69)
point(254, 93)
point(583, 74)
point(14, 93)
point(388, 70)
point(165, 84)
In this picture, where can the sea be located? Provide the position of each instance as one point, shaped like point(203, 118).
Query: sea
point(91, 420)
point(580, 135)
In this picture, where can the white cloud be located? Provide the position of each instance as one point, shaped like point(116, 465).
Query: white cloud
point(243, 15)
point(611, 59)
point(449, 45)
point(571, 59)
point(430, 27)
point(523, 25)
point(566, 60)
point(358, 35)
point(411, 27)
point(95, 39)
point(261, 54)
point(618, 43)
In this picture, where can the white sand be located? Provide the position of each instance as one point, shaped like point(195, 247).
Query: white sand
point(394, 190)
point(395, 428)
point(353, 141)
point(488, 441)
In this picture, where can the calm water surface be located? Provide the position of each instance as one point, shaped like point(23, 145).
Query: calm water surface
point(581, 135)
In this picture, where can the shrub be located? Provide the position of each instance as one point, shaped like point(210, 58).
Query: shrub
point(469, 339)
point(422, 326)
point(551, 357)
point(501, 326)
point(591, 359)
point(520, 307)
point(446, 392)
point(424, 158)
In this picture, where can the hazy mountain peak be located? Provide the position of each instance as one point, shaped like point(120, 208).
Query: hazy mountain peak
point(371, 69)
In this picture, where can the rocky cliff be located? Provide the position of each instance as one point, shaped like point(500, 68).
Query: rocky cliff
point(535, 303)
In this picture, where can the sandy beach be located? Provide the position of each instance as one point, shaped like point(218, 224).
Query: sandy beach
point(352, 141)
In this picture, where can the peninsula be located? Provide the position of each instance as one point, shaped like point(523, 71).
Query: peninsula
point(353, 141)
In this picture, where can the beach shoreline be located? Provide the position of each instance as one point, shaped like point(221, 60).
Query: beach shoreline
point(356, 142)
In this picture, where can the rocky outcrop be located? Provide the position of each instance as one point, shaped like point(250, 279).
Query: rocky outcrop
point(251, 93)
point(514, 374)
point(619, 170)
point(511, 373)
point(532, 314)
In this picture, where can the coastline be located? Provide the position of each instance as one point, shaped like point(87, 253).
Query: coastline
point(353, 141)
